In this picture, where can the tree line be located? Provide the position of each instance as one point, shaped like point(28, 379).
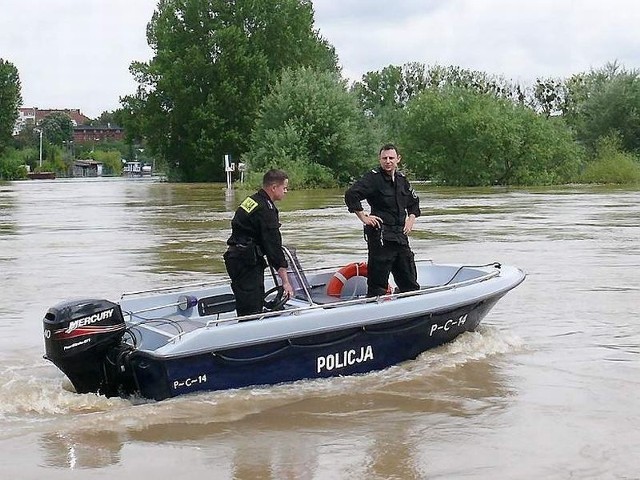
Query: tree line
point(256, 80)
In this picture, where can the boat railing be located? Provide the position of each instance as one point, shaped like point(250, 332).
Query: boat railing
point(296, 310)
point(334, 268)
point(313, 305)
point(356, 301)
point(297, 269)
point(212, 283)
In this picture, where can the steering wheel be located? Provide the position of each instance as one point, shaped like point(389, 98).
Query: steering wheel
point(275, 302)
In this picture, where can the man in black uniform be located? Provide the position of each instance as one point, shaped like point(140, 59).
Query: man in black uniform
point(255, 232)
point(394, 209)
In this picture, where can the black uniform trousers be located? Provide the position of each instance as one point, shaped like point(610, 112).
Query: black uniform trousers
point(247, 282)
point(390, 257)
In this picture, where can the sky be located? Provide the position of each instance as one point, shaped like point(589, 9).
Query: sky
point(76, 53)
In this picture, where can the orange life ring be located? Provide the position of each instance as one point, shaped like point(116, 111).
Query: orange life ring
point(339, 279)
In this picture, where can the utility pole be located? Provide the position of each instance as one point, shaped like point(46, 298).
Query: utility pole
point(40, 131)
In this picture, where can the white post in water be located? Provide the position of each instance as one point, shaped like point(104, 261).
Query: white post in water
point(228, 167)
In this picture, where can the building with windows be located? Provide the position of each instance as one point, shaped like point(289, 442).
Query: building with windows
point(34, 115)
point(91, 134)
point(26, 116)
point(82, 132)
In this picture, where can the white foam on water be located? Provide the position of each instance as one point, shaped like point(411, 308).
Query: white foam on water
point(40, 393)
point(484, 342)
point(26, 393)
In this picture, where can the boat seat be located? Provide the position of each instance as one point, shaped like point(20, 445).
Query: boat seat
point(216, 304)
point(319, 296)
point(354, 287)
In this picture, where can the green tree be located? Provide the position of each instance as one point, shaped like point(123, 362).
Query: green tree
point(27, 137)
point(394, 86)
point(381, 96)
point(214, 61)
point(459, 137)
point(57, 131)
point(604, 103)
point(10, 101)
point(380, 91)
point(311, 126)
point(57, 128)
point(617, 110)
point(549, 96)
point(384, 94)
point(107, 117)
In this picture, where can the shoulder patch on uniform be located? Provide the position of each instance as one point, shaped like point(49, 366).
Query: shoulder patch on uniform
point(400, 174)
point(249, 205)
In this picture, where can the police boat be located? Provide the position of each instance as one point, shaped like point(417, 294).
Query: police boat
point(168, 342)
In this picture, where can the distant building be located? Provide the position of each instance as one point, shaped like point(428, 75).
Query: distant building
point(90, 134)
point(82, 132)
point(25, 116)
point(87, 168)
point(76, 116)
point(33, 116)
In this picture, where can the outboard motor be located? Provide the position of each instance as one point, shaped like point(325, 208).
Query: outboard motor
point(83, 338)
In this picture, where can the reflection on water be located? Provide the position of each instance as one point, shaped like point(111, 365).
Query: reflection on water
point(84, 449)
point(7, 205)
point(544, 389)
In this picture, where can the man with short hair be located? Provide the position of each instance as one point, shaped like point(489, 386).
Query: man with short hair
point(394, 209)
point(255, 232)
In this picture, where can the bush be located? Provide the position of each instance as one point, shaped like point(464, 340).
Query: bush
point(611, 164)
point(111, 161)
point(12, 166)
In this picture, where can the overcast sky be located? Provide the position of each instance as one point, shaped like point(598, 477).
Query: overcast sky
point(76, 53)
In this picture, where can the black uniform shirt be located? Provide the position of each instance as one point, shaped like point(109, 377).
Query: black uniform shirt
point(390, 200)
point(256, 220)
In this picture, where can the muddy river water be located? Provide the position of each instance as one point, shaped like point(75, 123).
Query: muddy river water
point(548, 387)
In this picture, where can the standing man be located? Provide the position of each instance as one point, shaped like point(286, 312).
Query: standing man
point(255, 232)
point(394, 209)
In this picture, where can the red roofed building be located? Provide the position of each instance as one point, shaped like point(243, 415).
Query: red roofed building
point(35, 115)
point(82, 132)
point(76, 116)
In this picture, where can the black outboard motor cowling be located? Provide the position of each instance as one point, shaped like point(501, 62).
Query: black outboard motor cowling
point(81, 338)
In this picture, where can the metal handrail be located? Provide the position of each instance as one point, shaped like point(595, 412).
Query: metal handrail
point(213, 283)
point(313, 305)
point(225, 280)
point(357, 301)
